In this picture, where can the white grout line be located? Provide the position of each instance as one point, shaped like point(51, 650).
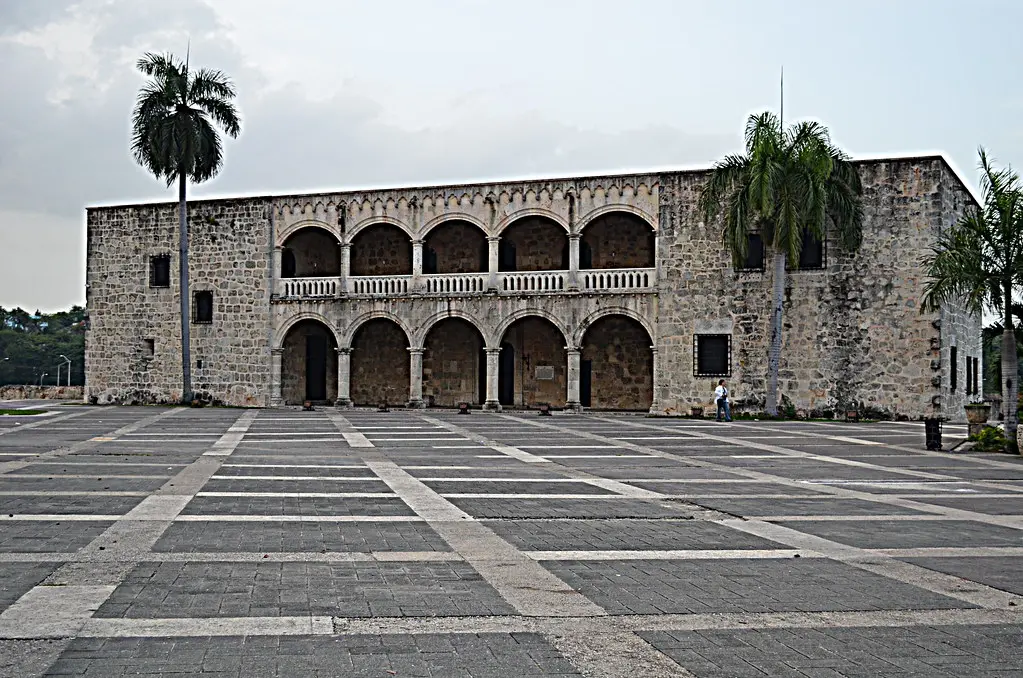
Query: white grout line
point(694, 554)
point(192, 518)
point(299, 495)
point(352, 436)
point(331, 478)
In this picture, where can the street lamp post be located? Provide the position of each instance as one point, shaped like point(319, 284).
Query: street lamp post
point(42, 376)
point(67, 361)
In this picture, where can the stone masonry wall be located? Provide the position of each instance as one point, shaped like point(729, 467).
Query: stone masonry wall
point(622, 364)
point(229, 255)
point(451, 364)
point(461, 247)
point(380, 364)
point(620, 240)
point(538, 242)
point(537, 343)
point(316, 253)
point(381, 250)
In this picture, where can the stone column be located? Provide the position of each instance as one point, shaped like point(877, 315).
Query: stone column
point(655, 406)
point(346, 266)
point(276, 382)
point(493, 370)
point(572, 377)
point(573, 260)
point(415, 389)
point(344, 378)
point(417, 266)
point(278, 254)
point(493, 250)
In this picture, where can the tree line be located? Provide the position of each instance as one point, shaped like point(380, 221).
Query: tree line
point(31, 346)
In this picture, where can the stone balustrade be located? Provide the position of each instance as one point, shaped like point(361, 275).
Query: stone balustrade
point(309, 288)
point(455, 283)
point(614, 280)
point(380, 286)
point(533, 281)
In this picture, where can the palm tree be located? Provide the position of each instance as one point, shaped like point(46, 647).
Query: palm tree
point(789, 185)
point(174, 138)
point(979, 262)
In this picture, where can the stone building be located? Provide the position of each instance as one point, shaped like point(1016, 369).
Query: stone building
point(603, 292)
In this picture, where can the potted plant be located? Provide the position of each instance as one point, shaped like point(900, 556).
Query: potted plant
point(978, 411)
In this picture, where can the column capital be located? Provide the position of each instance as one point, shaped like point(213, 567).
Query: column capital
point(415, 350)
point(493, 238)
point(492, 351)
point(575, 236)
point(347, 350)
point(418, 242)
point(276, 351)
point(574, 349)
point(344, 244)
point(653, 349)
point(278, 248)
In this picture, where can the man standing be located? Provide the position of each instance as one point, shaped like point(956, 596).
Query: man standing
point(721, 400)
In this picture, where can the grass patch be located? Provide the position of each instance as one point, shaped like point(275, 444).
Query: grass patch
point(21, 412)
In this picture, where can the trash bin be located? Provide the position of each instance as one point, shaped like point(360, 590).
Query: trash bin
point(932, 433)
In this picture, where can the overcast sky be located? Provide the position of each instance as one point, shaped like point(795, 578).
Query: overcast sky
point(341, 94)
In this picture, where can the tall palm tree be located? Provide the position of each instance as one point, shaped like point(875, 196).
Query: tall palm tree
point(174, 138)
point(790, 184)
point(979, 262)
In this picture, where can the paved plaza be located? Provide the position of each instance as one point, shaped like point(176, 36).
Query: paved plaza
point(249, 543)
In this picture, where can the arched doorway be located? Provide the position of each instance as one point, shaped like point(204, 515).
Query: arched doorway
point(617, 365)
point(309, 364)
point(381, 249)
point(532, 243)
point(617, 240)
point(454, 364)
point(379, 363)
point(532, 365)
point(455, 246)
point(311, 253)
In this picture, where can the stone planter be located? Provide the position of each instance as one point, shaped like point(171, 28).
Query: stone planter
point(696, 411)
point(978, 413)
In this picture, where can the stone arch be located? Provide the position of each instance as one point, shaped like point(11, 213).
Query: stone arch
point(593, 214)
point(454, 362)
point(616, 238)
point(290, 229)
point(376, 220)
point(532, 365)
point(452, 216)
point(453, 244)
point(588, 321)
point(418, 336)
point(282, 331)
point(309, 361)
point(345, 338)
point(386, 252)
point(616, 363)
point(495, 339)
point(379, 364)
point(509, 219)
point(310, 251)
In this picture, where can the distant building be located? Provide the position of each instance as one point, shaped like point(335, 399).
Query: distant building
point(605, 292)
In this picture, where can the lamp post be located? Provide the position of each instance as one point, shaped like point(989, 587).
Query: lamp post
point(42, 376)
point(67, 361)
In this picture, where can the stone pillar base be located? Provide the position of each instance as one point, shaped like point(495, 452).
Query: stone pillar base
point(492, 406)
point(416, 405)
point(343, 404)
point(573, 407)
point(975, 429)
point(276, 402)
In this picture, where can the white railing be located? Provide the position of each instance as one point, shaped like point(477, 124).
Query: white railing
point(309, 287)
point(533, 281)
point(380, 286)
point(456, 283)
point(605, 280)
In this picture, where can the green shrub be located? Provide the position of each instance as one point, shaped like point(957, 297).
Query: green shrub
point(990, 439)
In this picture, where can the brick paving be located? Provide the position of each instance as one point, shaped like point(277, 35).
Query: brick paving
point(153, 541)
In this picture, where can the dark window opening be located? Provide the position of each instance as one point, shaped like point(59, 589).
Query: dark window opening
point(506, 257)
point(287, 263)
point(585, 256)
point(202, 311)
point(148, 348)
point(565, 259)
point(811, 256)
point(429, 261)
point(712, 355)
point(159, 271)
point(969, 376)
point(976, 375)
point(953, 364)
point(754, 253)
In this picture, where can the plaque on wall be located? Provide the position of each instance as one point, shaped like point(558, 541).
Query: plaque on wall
point(545, 372)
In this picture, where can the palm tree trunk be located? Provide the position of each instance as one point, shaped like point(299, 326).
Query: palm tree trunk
point(186, 339)
point(774, 353)
point(1010, 367)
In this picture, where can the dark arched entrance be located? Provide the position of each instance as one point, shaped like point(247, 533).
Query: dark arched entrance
point(309, 364)
point(453, 359)
point(379, 363)
point(617, 355)
point(532, 364)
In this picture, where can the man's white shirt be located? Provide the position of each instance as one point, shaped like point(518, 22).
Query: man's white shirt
point(719, 393)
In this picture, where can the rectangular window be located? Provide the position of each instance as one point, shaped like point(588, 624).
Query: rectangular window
point(148, 348)
point(953, 364)
point(754, 253)
point(969, 375)
point(976, 376)
point(712, 355)
point(159, 271)
point(202, 307)
point(811, 255)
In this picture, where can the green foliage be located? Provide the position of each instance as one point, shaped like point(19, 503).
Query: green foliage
point(788, 408)
point(22, 413)
point(30, 345)
point(990, 439)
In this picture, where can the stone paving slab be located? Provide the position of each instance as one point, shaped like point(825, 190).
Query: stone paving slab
point(91, 504)
point(1005, 573)
point(956, 652)
point(96, 484)
point(16, 579)
point(615, 535)
point(770, 585)
point(300, 537)
point(162, 590)
point(48, 536)
point(1002, 506)
point(570, 508)
point(298, 506)
point(335, 470)
point(882, 534)
point(484, 487)
point(816, 506)
point(242, 485)
point(740, 488)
